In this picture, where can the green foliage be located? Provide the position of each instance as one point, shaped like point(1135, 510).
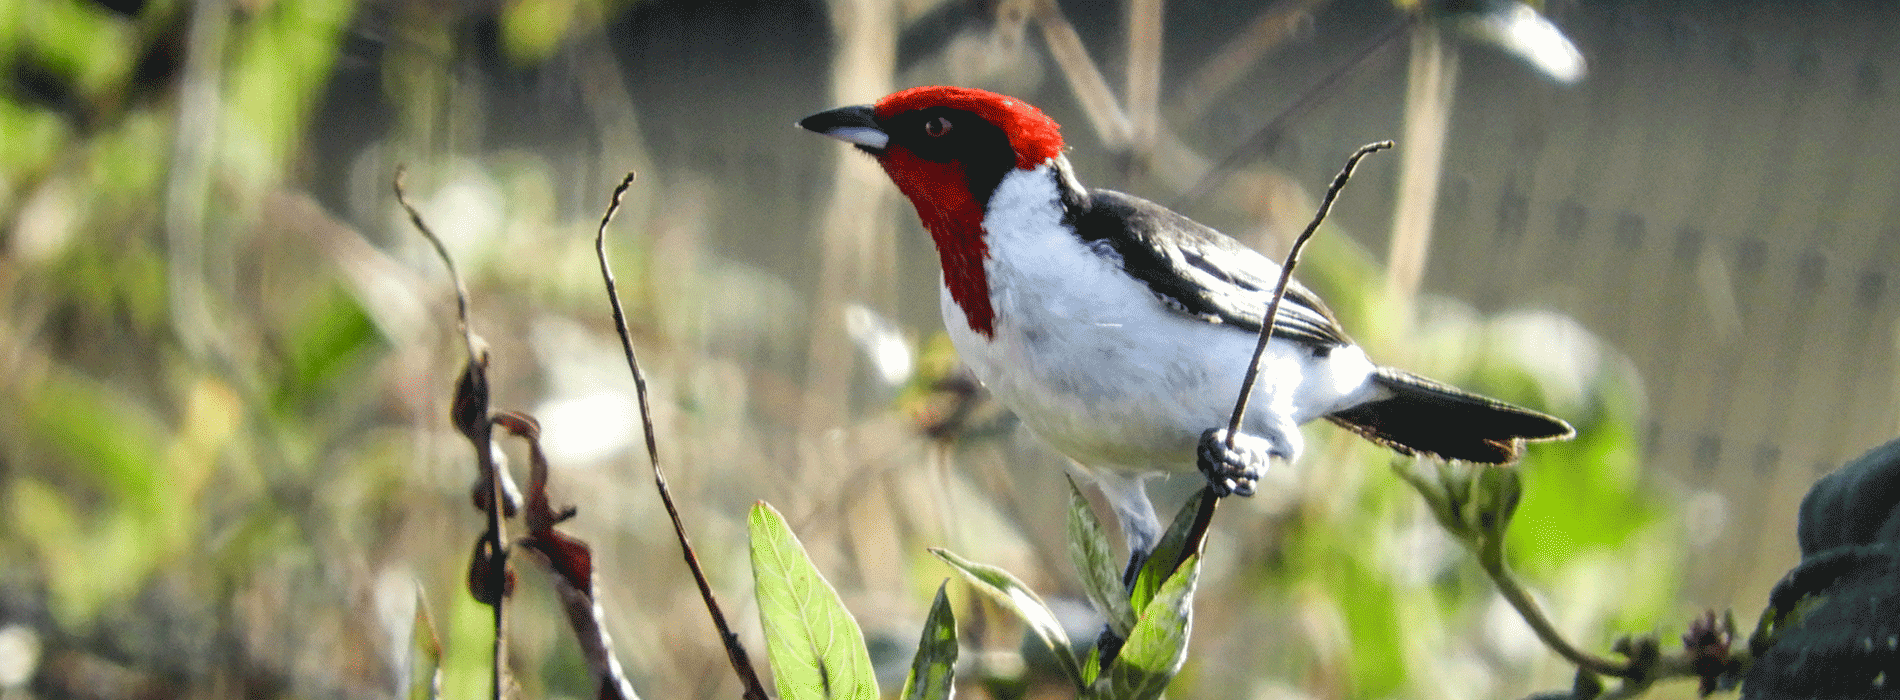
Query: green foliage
point(33, 139)
point(1590, 499)
point(80, 42)
point(281, 57)
point(1095, 562)
point(1160, 565)
point(1010, 592)
point(1158, 645)
point(1335, 574)
point(1152, 646)
point(531, 30)
point(325, 347)
point(816, 648)
point(933, 673)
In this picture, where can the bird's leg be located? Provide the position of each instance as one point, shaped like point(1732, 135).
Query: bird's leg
point(1237, 469)
point(1127, 495)
point(1136, 558)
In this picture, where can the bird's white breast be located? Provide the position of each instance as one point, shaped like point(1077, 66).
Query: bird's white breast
point(1097, 365)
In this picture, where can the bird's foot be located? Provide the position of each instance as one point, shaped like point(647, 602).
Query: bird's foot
point(1234, 469)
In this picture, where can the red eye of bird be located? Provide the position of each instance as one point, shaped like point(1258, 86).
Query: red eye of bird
point(937, 127)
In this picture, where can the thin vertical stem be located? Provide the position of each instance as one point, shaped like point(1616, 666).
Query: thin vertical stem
point(1144, 72)
point(1428, 95)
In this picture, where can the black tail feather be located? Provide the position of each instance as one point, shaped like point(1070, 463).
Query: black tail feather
point(1422, 416)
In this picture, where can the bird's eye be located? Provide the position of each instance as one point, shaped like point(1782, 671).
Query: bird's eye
point(936, 128)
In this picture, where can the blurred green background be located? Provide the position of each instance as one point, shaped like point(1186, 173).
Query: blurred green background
point(225, 358)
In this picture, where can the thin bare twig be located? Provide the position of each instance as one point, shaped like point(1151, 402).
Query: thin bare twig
point(1286, 277)
point(441, 251)
point(471, 414)
point(741, 664)
point(1204, 516)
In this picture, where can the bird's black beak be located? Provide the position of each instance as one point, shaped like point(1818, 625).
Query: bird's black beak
point(856, 125)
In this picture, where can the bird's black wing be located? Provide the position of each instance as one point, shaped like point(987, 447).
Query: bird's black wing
point(1199, 271)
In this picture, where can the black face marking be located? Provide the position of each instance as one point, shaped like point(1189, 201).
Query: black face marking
point(943, 134)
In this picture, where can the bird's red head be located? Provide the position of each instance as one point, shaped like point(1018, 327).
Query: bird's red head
point(1032, 135)
point(947, 149)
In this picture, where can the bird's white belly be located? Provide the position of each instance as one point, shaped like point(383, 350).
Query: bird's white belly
point(1101, 368)
point(1114, 379)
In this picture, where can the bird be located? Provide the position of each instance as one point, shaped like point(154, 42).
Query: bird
point(1119, 331)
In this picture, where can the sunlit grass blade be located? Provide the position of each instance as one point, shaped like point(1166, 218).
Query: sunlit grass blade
point(1158, 644)
point(1011, 593)
point(933, 673)
point(816, 648)
point(1095, 563)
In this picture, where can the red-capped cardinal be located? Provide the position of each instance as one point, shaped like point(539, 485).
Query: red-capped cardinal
point(1119, 331)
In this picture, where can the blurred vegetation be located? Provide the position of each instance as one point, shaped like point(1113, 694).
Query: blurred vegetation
point(226, 467)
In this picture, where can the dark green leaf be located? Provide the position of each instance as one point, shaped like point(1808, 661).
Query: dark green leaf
point(1096, 564)
point(1495, 494)
point(1010, 593)
point(1158, 645)
point(1166, 553)
point(933, 670)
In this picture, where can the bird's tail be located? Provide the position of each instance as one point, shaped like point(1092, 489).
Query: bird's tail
point(1419, 415)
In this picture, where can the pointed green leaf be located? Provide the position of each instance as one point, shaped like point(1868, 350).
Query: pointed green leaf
point(1095, 562)
point(1011, 593)
point(1092, 665)
point(1497, 492)
point(933, 670)
point(816, 649)
point(1438, 490)
point(1158, 645)
point(1161, 561)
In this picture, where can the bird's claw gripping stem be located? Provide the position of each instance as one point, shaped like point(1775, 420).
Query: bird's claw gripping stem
point(1236, 469)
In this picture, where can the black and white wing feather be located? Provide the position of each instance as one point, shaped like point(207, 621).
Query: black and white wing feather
point(1199, 271)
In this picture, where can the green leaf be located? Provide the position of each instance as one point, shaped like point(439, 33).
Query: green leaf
point(326, 344)
point(1158, 645)
point(531, 30)
point(1495, 494)
point(1095, 562)
point(933, 670)
point(1010, 593)
point(1092, 665)
point(34, 138)
point(82, 43)
point(1161, 561)
point(816, 648)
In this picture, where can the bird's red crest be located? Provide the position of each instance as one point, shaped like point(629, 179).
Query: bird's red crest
point(1033, 135)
